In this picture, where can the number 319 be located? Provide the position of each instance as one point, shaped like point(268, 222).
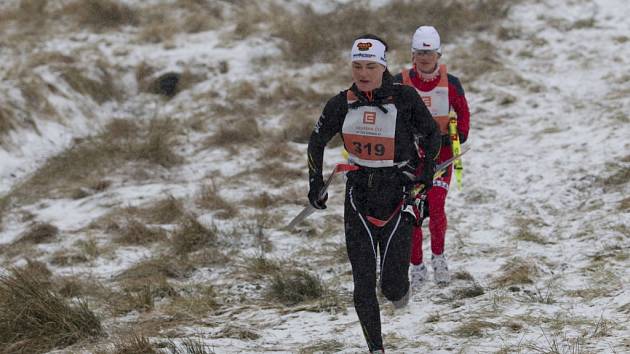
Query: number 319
point(379, 149)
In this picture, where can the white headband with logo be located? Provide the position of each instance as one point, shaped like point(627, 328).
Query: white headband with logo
point(370, 50)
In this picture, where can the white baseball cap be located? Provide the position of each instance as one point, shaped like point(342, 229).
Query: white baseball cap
point(426, 38)
point(370, 50)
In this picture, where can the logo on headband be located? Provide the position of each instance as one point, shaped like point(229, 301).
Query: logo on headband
point(364, 46)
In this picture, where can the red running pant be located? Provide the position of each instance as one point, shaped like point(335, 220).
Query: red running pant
point(436, 198)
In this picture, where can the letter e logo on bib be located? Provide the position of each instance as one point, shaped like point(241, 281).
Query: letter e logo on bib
point(427, 100)
point(369, 118)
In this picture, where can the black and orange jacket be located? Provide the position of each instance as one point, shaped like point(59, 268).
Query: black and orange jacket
point(413, 123)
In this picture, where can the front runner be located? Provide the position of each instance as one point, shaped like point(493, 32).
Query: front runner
point(381, 124)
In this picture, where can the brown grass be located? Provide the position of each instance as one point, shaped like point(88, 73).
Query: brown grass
point(35, 93)
point(143, 73)
point(165, 211)
point(101, 15)
point(463, 275)
point(474, 328)
point(312, 37)
point(237, 332)
point(34, 318)
point(294, 286)
point(101, 89)
point(189, 346)
point(469, 292)
point(192, 236)
point(132, 344)
point(277, 174)
point(158, 143)
point(140, 300)
point(516, 271)
point(162, 21)
point(39, 233)
point(137, 233)
point(27, 12)
point(121, 141)
point(618, 175)
point(241, 131)
point(155, 268)
point(211, 199)
point(526, 234)
point(478, 59)
point(323, 346)
point(65, 258)
point(195, 301)
point(6, 122)
point(259, 266)
point(300, 125)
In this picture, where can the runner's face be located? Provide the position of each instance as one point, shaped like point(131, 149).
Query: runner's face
point(425, 60)
point(367, 75)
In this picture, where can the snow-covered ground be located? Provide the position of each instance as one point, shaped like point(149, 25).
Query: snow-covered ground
point(545, 186)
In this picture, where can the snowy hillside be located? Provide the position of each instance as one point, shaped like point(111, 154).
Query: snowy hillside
point(164, 211)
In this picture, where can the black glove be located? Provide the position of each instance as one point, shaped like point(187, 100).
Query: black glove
point(426, 178)
point(316, 184)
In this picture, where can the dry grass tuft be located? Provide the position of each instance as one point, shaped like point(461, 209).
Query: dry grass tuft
point(472, 62)
point(165, 211)
point(33, 7)
point(211, 199)
point(90, 159)
point(154, 269)
point(237, 332)
point(140, 300)
point(295, 286)
point(192, 236)
point(88, 247)
point(195, 301)
point(474, 328)
point(525, 233)
point(189, 346)
point(300, 125)
point(469, 292)
point(137, 233)
point(64, 258)
point(27, 13)
point(6, 122)
point(516, 271)
point(312, 37)
point(101, 15)
point(39, 233)
point(324, 346)
point(589, 294)
point(101, 89)
point(618, 175)
point(34, 318)
point(158, 143)
point(132, 344)
point(70, 287)
point(263, 201)
point(242, 131)
point(35, 93)
point(259, 266)
point(463, 275)
point(162, 21)
point(274, 174)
